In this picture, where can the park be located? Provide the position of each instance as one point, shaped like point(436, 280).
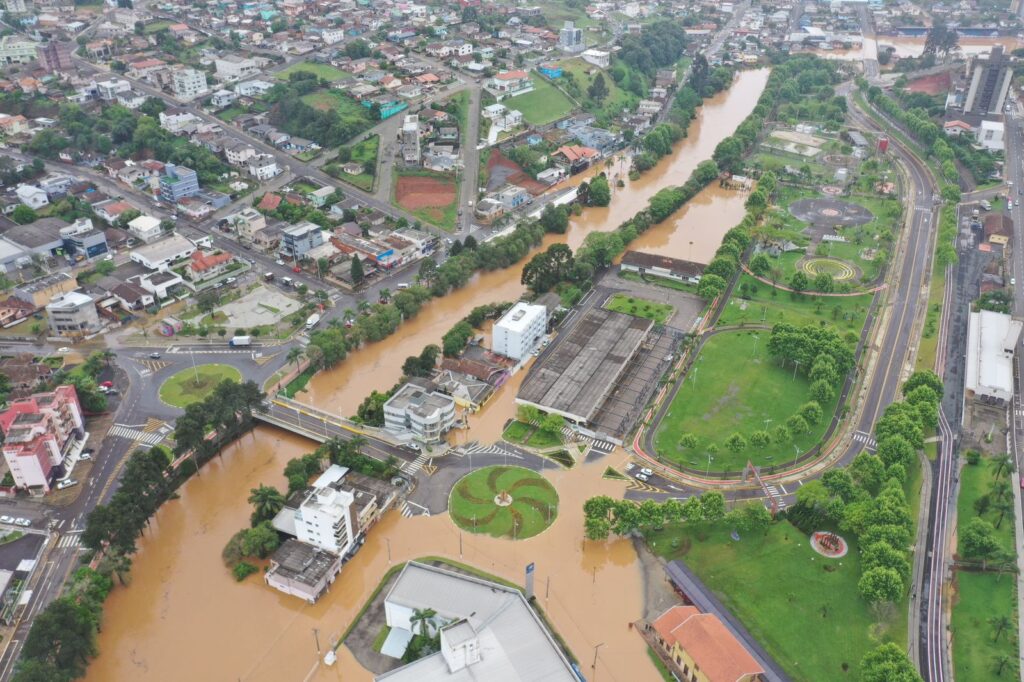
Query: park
point(504, 502)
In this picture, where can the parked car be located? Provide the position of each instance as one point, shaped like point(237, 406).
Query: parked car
point(66, 483)
point(24, 523)
point(646, 472)
point(107, 384)
point(640, 477)
point(6, 519)
point(279, 261)
point(63, 349)
point(86, 455)
point(154, 355)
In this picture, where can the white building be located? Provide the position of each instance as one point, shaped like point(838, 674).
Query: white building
point(174, 120)
point(159, 255)
point(990, 135)
point(332, 35)
point(253, 88)
point(598, 58)
point(488, 631)
point(187, 84)
point(223, 98)
point(109, 89)
point(233, 68)
point(991, 340)
point(520, 330)
point(32, 196)
point(73, 314)
point(129, 99)
point(15, 50)
point(421, 411)
point(263, 167)
point(145, 227)
point(570, 38)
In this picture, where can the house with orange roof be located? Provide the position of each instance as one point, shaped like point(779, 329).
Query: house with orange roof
point(957, 128)
point(509, 83)
point(702, 649)
point(204, 266)
point(269, 202)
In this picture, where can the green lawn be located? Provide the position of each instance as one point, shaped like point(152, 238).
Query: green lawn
point(526, 434)
point(362, 151)
point(544, 104)
point(584, 75)
point(979, 597)
point(804, 609)
point(734, 387)
point(975, 482)
point(182, 389)
point(534, 502)
point(348, 109)
point(230, 114)
point(639, 307)
point(659, 281)
point(762, 307)
point(155, 27)
point(324, 71)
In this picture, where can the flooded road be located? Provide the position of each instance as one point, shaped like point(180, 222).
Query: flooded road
point(183, 615)
point(709, 215)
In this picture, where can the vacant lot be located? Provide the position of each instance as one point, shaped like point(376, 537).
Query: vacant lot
point(639, 307)
point(348, 109)
point(429, 196)
point(362, 153)
point(736, 387)
point(544, 104)
point(324, 71)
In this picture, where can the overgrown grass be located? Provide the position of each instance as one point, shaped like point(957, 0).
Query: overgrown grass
point(190, 386)
point(324, 71)
point(639, 307)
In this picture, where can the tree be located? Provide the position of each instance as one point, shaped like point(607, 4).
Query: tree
point(760, 439)
point(888, 663)
point(712, 506)
point(688, 440)
point(710, 287)
point(923, 378)
point(1000, 661)
point(978, 540)
point(896, 449)
point(598, 90)
point(260, 540)
point(1003, 505)
point(735, 442)
point(422, 620)
point(882, 554)
point(357, 270)
point(63, 634)
point(1001, 623)
point(797, 425)
point(528, 414)
point(822, 391)
point(824, 283)
point(799, 282)
point(23, 215)
point(294, 355)
point(267, 501)
point(760, 265)
point(880, 584)
point(750, 518)
point(552, 423)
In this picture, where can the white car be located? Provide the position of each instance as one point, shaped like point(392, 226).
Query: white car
point(646, 472)
point(86, 456)
point(1013, 281)
point(24, 523)
point(279, 261)
point(640, 477)
point(6, 519)
point(63, 349)
point(66, 483)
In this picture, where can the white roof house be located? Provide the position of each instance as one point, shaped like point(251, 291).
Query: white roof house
point(488, 631)
point(160, 254)
point(991, 340)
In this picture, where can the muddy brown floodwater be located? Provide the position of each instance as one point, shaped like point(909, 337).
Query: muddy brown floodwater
point(183, 617)
point(708, 216)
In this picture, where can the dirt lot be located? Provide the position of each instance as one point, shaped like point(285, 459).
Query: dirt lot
point(413, 192)
point(501, 170)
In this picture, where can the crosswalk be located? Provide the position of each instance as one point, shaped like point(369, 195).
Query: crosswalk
point(70, 542)
point(414, 466)
point(600, 446)
point(411, 509)
point(490, 449)
point(869, 442)
point(136, 435)
point(773, 492)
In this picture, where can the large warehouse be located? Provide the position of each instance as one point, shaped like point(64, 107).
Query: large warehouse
point(991, 340)
point(576, 376)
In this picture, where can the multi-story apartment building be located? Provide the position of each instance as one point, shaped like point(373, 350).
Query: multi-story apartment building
point(38, 432)
point(520, 330)
point(419, 410)
point(55, 56)
point(297, 240)
point(233, 68)
point(178, 182)
point(73, 314)
point(15, 50)
point(188, 84)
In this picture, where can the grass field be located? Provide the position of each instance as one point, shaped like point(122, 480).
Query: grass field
point(544, 104)
point(804, 609)
point(324, 71)
point(363, 151)
point(736, 387)
point(584, 74)
point(979, 597)
point(182, 389)
point(842, 312)
point(976, 481)
point(155, 27)
point(348, 109)
point(230, 114)
point(534, 502)
point(526, 434)
point(639, 307)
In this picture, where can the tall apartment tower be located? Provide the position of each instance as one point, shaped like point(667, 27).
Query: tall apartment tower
point(990, 81)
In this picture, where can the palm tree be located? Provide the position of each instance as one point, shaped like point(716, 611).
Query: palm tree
point(1000, 662)
point(1001, 490)
point(356, 443)
point(1000, 623)
point(364, 307)
point(294, 354)
point(267, 501)
point(385, 295)
point(424, 618)
point(108, 356)
point(1002, 505)
point(1003, 464)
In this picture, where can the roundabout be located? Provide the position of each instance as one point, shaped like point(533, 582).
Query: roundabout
point(830, 212)
point(504, 502)
point(192, 385)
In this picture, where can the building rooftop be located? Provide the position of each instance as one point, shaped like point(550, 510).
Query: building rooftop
point(302, 563)
point(515, 645)
point(36, 234)
point(519, 316)
point(418, 400)
point(169, 247)
point(715, 651)
point(44, 283)
point(991, 340)
point(649, 261)
point(575, 378)
point(69, 301)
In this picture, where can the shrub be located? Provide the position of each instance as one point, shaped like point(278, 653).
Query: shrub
point(243, 570)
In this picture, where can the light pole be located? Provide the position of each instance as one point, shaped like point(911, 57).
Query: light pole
point(388, 541)
point(593, 666)
point(192, 352)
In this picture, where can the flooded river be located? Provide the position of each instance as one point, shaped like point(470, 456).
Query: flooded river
point(183, 615)
point(703, 222)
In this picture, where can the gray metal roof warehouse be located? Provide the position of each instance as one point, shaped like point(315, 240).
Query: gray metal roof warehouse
point(577, 375)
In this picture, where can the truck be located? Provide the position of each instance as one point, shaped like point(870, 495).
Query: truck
point(313, 321)
point(240, 341)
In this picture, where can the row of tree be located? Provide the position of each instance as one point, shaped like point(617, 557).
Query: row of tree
point(604, 515)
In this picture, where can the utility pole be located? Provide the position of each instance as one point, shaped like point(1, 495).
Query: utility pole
point(316, 638)
point(593, 665)
point(388, 541)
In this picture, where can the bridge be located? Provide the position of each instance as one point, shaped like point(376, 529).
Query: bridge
point(320, 426)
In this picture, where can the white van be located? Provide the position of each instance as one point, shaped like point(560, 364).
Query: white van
point(403, 285)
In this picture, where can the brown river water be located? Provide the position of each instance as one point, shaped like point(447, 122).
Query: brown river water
point(183, 617)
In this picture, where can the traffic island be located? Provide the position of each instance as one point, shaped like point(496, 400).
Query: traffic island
point(194, 384)
point(504, 502)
